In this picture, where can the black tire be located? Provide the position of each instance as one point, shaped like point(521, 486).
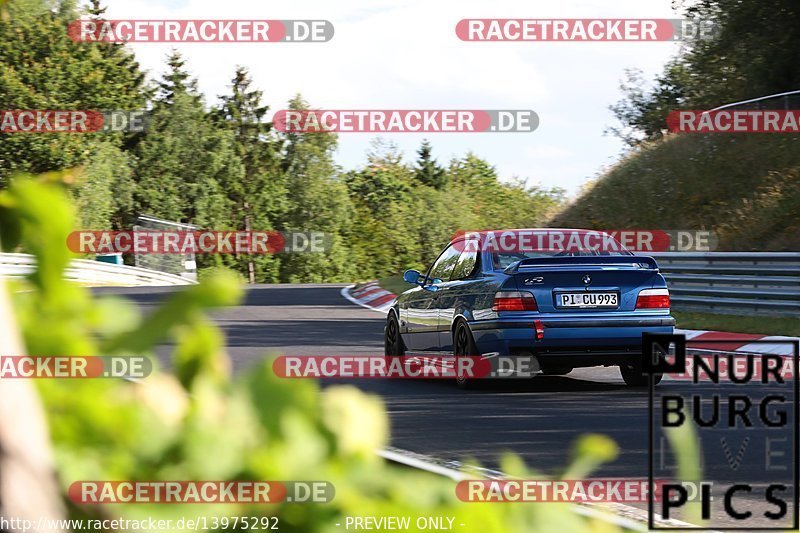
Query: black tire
point(392, 341)
point(557, 370)
point(464, 345)
point(633, 376)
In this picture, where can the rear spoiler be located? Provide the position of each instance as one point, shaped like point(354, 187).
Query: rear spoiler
point(641, 260)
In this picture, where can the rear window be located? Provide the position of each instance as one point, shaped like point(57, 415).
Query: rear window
point(505, 259)
point(510, 247)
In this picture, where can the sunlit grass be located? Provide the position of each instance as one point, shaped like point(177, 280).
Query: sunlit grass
point(767, 325)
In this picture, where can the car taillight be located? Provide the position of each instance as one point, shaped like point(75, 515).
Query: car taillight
point(653, 299)
point(539, 329)
point(514, 301)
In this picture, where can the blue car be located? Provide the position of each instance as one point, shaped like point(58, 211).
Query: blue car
point(566, 305)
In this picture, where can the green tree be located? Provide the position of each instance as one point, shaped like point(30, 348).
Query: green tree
point(491, 203)
point(317, 200)
point(103, 192)
point(185, 163)
point(259, 198)
point(383, 238)
point(399, 223)
point(428, 172)
point(42, 68)
point(754, 51)
point(177, 81)
point(642, 113)
point(384, 180)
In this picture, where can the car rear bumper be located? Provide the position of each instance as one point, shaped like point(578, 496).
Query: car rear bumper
point(593, 338)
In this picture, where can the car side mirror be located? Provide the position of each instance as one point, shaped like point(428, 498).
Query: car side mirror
point(433, 285)
point(412, 276)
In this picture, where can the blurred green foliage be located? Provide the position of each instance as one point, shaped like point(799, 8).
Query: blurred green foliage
point(197, 422)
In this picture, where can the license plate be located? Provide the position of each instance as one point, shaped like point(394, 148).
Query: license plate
point(588, 299)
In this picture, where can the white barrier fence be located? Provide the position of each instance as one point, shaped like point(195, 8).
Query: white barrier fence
point(93, 273)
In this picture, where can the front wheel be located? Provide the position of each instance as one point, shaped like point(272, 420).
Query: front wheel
point(634, 376)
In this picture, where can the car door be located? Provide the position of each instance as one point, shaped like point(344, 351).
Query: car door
point(457, 292)
point(421, 313)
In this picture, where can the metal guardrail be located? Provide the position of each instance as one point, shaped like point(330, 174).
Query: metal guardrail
point(733, 282)
point(786, 101)
point(93, 273)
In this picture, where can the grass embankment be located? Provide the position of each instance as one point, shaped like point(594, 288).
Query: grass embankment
point(738, 324)
point(745, 187)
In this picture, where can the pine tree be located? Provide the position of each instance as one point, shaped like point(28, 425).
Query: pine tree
point(241, 113)
point(317, 200)
point(428, 172)
point(96, 10)
point(177, 81)
point(185, 163)
point(259, 198)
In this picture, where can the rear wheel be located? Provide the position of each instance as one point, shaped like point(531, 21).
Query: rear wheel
point(463, 345)
point(634, 376)
point(392, 341)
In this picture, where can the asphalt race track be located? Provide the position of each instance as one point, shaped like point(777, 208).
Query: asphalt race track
point(537, 419)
